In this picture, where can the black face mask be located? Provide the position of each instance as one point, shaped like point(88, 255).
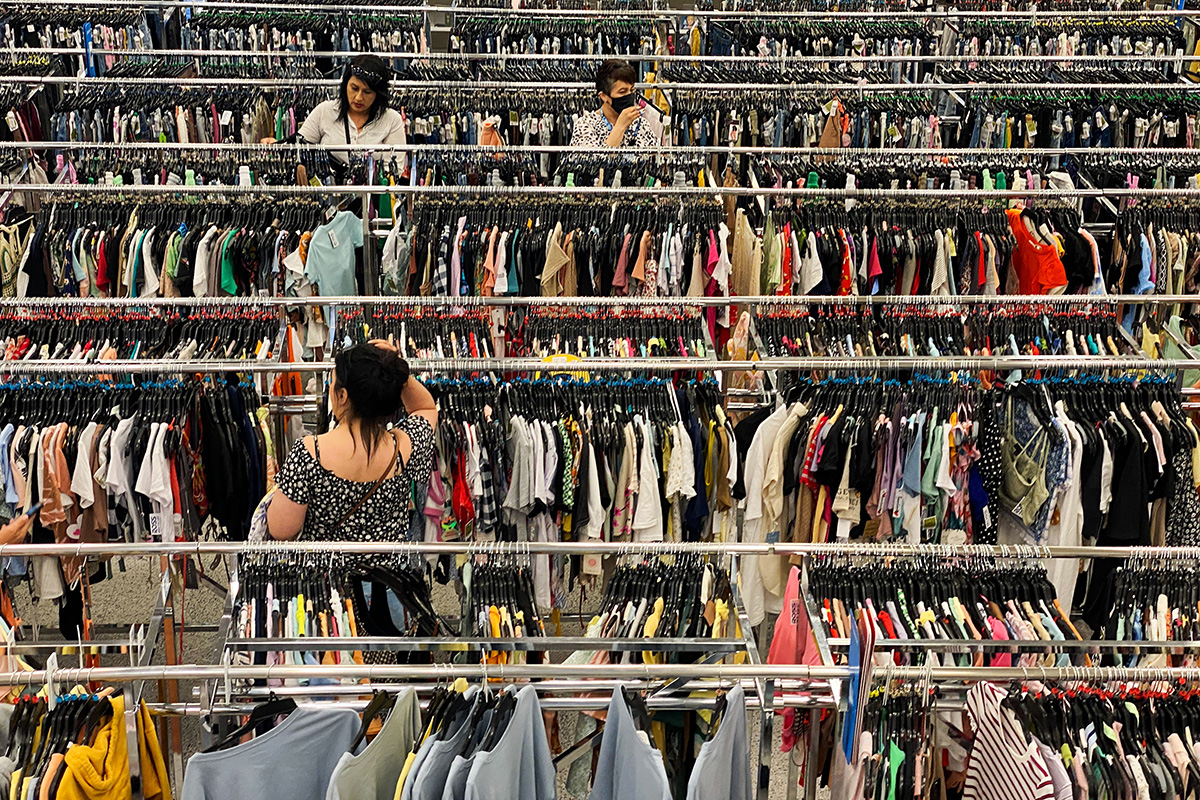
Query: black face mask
point(619, 104)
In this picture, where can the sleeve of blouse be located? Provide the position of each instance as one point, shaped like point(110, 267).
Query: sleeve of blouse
point(396, 133)
point(313, 128)
point(420, 460)
point(294, 480)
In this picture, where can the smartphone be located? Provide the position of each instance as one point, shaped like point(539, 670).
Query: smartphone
point(34, 509)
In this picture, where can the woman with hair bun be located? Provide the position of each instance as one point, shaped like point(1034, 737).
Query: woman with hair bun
point(355, 482)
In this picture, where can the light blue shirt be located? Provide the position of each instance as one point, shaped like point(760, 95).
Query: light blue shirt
point(330, 263)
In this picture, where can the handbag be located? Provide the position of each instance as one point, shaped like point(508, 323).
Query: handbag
point(354, 172)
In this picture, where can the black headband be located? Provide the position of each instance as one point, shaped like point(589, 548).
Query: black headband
point(372, 79)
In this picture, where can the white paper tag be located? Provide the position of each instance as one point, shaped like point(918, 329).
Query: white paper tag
point(333, 238)
point(226, 117)
point(11, 119)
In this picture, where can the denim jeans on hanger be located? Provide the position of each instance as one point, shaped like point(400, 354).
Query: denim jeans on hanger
point(720, 42)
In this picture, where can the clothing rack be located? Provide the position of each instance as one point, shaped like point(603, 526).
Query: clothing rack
point(471, 86)
point(723, 672)
point(636, 302)
point(588, 57)
point(865, 364)
point(606, 191)
point(932, 153)
point(633, 12)
point(881, 550)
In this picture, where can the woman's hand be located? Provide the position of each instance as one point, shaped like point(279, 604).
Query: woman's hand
point(385, 344)
point(267, 140)
point(14, 531)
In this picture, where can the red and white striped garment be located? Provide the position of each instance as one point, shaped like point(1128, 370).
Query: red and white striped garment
point(1004, 765)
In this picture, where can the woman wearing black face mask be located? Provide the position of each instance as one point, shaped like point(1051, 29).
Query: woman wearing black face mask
point(620, 121)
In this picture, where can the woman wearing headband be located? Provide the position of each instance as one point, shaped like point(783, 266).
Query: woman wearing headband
point(359, 115)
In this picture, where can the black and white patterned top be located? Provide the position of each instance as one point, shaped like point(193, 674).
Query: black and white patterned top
point(384, 517)
point(592, 130)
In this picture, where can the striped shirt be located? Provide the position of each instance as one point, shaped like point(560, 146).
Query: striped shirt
point(1004, 765)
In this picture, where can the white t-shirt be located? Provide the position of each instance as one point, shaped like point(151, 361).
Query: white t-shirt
point(324, 127)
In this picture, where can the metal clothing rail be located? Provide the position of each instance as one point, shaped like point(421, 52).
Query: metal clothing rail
point(331, 548)
point(606, 191)
point(523, 672)
point(395, 87)
point(864, 364)
point(472, 301)
point(571, 57)
point(621, 13)
point(672, 150)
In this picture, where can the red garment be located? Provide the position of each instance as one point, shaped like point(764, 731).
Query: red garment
point(793, 642)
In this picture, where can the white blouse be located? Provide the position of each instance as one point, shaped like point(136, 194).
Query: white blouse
point(324, 127)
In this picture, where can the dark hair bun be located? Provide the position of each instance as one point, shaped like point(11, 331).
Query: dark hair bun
point(374, 379)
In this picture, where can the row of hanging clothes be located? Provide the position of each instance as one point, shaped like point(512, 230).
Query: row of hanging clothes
point(969, 602)
point(92, 726)
point(118, 113)
point(607, 333)
point(267, 166)
point(1148, 600)
point(469, 741)
point(603, 38)
point(296, 597)
point(1047, 740)
point(163, 456)
point(1001, 330)
point(567, 458)
point(164, 460)
point(73, 28)
point(781, 38)
point(103, 334)
point(1122, 42)
point(1069, 117)
point(901, 248)
point(575, 246)
point(1059, 461)
point(420, 332)
point(107, 246)
point(671, 597)
point(291, 31)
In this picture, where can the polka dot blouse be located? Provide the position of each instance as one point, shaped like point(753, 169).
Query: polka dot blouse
point(384, 517)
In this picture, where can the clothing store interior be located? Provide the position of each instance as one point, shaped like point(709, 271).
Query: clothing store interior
point(600, 399)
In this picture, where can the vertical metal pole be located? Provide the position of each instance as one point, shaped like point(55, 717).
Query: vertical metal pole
point(370, 261)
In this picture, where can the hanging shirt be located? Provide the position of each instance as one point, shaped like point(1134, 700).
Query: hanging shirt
point(628, 765)
point(374, 772)
point(1004, 765)
point(519, 766)
point(292, 761)
point(722, 769)
point(330, 263)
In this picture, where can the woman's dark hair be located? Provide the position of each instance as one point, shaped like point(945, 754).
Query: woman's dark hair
point(612, 71)
point(373, 379)
point(374, 73)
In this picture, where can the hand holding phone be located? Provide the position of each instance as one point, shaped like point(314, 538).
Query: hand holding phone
point(34, 509)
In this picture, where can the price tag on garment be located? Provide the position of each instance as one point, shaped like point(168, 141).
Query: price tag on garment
point(954, 537)
point(226, 117)
point(1101, 122)
point(592, 564)
point(894, 133)
point(333, 239)
point(330, 213)
point(514, 119)
point(11, 119)
point(929, 523)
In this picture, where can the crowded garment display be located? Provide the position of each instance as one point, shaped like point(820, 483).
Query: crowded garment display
point(1059, 462)
point(738, 424)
